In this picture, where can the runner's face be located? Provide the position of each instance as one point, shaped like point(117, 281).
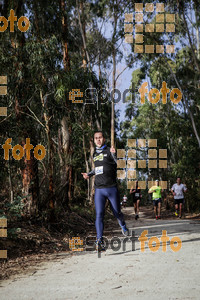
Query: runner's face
point(178, 180)
point(99, 139)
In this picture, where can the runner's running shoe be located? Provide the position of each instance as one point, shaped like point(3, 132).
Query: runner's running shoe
point(176, 214)
point(136, 217)
point(100, 246)
point(159, 217)
point(125, 230)
point(156, 217)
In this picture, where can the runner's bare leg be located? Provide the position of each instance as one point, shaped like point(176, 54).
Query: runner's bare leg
point(135, 207)
point(138, 201)
point(159, 208)
point(155, 210)
point(180, 209)
point(176, 207)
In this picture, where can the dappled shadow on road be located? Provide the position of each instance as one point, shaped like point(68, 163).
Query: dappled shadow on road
point(147, 212)
point(146, 247)
point(146, 219)
point(187, 229)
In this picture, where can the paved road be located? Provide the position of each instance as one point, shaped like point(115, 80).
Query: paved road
point(119, 275)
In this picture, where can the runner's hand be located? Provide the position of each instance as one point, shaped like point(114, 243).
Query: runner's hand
point(174, 194)
point(112, 150)
point(85, 175)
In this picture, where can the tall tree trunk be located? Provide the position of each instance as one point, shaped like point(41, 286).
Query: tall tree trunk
point(30, 185)
point(29, 168)
point(91, 199)
point(82, 30)
point(84, 34)
point(66, 129)
point(87, 167)
point(196, 63)
point(10, 182)
point(66, 60)
point(187, 106)
point(112, 103)
point(197, 35)
point(113, 81)
point(50, 154)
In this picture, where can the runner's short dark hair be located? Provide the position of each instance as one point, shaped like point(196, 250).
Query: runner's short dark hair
point(178, 177)
point(99, 131)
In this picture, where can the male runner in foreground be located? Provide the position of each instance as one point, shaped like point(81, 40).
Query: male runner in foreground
point(105, 186)
point(156, 197)
point(136, 197)
point(178, 190)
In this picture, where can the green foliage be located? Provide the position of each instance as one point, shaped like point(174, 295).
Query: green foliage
point(14, 209)
point(13, 232)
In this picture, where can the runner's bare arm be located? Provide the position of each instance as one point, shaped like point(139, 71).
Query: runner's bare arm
point(173, 192)
point(132, 190)
point(113, 153)
point(112, 150)
point(88, 175)
point(85, 175)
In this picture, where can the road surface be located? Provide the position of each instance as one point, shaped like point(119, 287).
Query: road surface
point(119, 274)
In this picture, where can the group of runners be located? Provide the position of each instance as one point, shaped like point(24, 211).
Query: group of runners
point(105, 184)
point(178, 190)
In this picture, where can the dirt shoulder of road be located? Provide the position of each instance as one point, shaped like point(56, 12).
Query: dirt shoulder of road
point(32, 242)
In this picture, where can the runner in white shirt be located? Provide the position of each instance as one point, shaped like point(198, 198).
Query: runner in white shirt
point(124, 201)
point(178, 190)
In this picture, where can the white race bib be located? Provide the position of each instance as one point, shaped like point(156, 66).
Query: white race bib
point(99, 170)
point(137, 194)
